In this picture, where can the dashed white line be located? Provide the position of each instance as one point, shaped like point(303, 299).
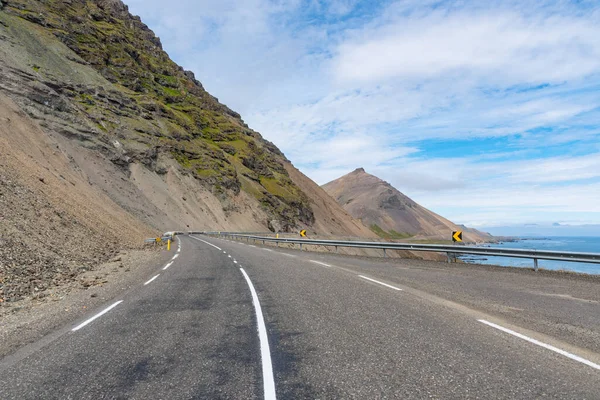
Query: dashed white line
point(229, 255)
point(235, 262)
point(151, 279)
point(175, 256)
point(101, 313)
point(320, 263)
point(542, 344)
point(265, 353)
point(168, 265)
point(381, 283)
point(204, 241)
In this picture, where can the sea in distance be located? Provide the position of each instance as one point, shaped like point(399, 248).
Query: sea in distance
point(552, 243)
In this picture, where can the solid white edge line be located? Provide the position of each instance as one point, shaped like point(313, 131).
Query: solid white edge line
point(381, 283)
point(168, 265)
point(175, 256)
point(218, 248)
point(542, 344)
point(266, 249)
point(151, 279)
point(286, 254)
point(320, 263)
point(101, 313)
point(265, 352)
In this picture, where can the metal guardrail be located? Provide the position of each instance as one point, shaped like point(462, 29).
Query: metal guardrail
point(450, 250)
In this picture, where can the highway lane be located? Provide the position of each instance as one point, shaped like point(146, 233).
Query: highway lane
point(191, 332)
point(337, 336)
point(563, 307)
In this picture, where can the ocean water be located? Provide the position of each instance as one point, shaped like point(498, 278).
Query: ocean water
point(553, 243)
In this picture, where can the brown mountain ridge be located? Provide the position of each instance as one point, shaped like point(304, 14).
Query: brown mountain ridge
point(390, 213)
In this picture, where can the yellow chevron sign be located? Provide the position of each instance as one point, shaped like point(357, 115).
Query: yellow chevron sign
point(457, 236)
point(303, 233)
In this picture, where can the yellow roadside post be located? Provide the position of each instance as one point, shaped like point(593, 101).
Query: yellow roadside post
point(169, 245)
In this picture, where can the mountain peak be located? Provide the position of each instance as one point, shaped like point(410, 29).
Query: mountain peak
point(387, 211)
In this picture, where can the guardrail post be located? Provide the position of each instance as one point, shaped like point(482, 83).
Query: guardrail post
point(449, 258)
point(336, 249)
point(300, 246)
point(384, 254)
point(535, 264)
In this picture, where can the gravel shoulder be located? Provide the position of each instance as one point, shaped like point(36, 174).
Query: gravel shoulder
point(31, 319)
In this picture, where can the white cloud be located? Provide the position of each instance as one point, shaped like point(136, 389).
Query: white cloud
point(505, 47)
point(336, 90)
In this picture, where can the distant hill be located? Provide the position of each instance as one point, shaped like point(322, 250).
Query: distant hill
point(390, 213)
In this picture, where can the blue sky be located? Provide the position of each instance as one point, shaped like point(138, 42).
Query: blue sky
point(485, 112)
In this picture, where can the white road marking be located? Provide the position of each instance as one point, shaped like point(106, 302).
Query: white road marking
point(175, 256)
point(289, 255)
point(224, 252)
point(101, 313)
point(320, 263)
point(218, 248)
point(251, 245)
point(542, 344)
point(229, 255)
point(267, 249)
point(168, 265)
point(235, 262)
point(381, 283)
point(153, 278)
point(265, 353)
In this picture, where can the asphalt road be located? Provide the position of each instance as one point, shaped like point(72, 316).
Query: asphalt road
point(336, 328)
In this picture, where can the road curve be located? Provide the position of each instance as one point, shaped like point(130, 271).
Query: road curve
point(333, 328)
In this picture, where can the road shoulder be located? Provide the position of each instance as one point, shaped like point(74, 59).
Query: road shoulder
point(29, 320)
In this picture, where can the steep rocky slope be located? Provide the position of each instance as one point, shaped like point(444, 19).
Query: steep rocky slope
point(96, 75)
point(53, 224)
point(105, 141)
point(390, 213)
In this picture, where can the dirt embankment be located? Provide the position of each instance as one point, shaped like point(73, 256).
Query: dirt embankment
point(53, 224)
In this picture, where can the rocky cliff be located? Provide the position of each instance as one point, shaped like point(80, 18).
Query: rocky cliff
point(95, 74)
point(104, 141)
